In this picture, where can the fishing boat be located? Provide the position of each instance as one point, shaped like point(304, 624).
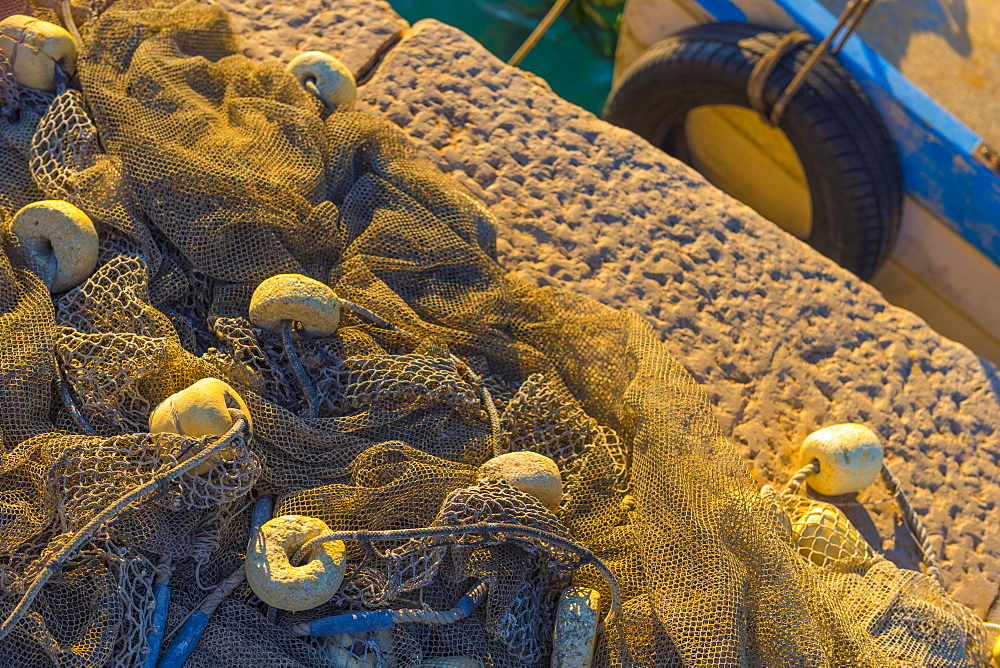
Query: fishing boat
point(867, 129)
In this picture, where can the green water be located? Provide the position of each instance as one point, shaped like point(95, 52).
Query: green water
point(564, 58)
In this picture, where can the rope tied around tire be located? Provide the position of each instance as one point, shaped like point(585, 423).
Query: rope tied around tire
point(849, 164)
point(845, 26)
point(765, 68)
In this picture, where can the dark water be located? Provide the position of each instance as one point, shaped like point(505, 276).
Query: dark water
point(563, 58)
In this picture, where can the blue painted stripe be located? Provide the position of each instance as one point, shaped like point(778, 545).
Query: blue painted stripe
point(934, 147)
point(723, 10)
point(159, 627)
point(864, 60)
point(187, 638)
point(354, 622)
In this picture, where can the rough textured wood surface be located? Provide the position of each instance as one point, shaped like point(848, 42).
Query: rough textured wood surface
point(782, 340)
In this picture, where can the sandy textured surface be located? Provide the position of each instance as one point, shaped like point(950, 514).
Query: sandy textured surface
point(356, 32)
point(782, 340)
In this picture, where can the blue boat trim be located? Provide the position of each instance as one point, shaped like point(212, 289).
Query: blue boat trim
point(937, 151)
point(723, 10)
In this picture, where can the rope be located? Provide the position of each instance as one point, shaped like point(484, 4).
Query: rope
point(162, 570)
point(428, 616)
point(373, 317)
point(516, 531)
point(765, 67)
point(846, 24)
point(915, 526)
point(795, 483)
point(225, 588)
point(310, 85)
point(491, 410)
point(74, 410)
point(55, 560)
point(913, 523)
point(300, 372)
point(66, 14)
point(539, 32)
point(489, 405)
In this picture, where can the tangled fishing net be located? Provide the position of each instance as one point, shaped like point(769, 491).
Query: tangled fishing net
point(206, 173)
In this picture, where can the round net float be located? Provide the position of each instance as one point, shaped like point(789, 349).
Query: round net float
point(201, 409)
point(529, 472)
point(296, 298)
point(577, 617)
point(280, 584)
point(849, 456)
point(451, 662)
point(995, 655)
point(823, 534)
point(59, 240)
point(333, 82)
point(36, 48)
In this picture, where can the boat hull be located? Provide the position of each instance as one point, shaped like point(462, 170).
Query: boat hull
point(948, 252)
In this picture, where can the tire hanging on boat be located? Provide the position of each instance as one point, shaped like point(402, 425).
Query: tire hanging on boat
point(847, 156)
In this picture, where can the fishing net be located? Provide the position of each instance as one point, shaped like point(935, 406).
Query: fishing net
point(206, 173)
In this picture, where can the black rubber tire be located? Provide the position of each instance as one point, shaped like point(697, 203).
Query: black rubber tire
point(848, 158)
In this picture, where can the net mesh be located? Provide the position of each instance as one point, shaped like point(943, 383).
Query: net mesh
point(205, 173)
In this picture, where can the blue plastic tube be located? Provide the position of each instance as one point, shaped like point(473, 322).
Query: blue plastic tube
point(187, 638)
point(379, 620)
point(162, 605)
point(467, 604)
point(352, 622)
